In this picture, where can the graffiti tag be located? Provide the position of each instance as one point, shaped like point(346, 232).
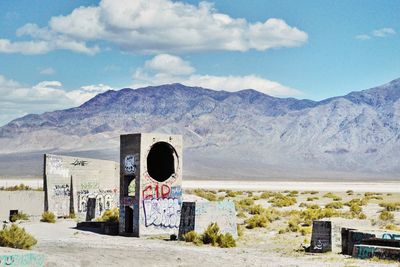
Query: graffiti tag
point(163, 212)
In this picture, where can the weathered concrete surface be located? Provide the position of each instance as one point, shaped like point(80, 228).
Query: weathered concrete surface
point(221, 212)
point(29, 202)
point(381, 252)
point(20, 258)
point(153, 163)
point(321, 238)
point(355, 237)
point(70, 181)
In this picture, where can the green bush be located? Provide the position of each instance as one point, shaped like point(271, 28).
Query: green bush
point(19, 216)
point(310, 192)
point(48, 217)
point(231, 194)
point(257, 220)
point(16, 237)
point(111, 215)
point(386, 216)
point(312, 198)
point(226, 241)
point(355, 208)
point(294, 225)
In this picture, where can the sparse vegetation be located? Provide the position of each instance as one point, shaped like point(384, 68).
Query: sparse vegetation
point(16, 237)
point(334, 205)
point(350, 192)
point(312, 198)
point(280, 200)
point(212, 235)
point(111, 215)
point(386, 215)
point(209, 195)
point(48, 217)
point(258, 220)
point(19, 216)
point(333, 196)
point(390, 206)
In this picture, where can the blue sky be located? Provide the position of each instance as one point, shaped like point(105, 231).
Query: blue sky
point(58, 54)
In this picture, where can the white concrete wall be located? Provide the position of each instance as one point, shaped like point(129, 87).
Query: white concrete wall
point(81, 178)
point(29, 202)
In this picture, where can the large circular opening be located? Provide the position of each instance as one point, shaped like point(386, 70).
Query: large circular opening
point(161, 161)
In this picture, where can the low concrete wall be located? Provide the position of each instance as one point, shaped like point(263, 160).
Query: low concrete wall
point(381, 252)
point(20, 258)
point(29, 202)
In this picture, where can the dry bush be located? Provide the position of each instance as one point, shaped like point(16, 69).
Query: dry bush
point(334, 205)
point(256, 209)
point(390, 206)
point(312, 198)
point(48, 217)
point(280, 200)
point(111, 215)
point(333, 196)
point(19, 216)
point(209, 195)
point(16, 237)
point(257, 221)
point(226, 241)
point(350, 192)
point(386, 215)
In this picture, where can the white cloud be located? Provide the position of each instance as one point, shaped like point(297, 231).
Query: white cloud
point(47, 71)
point(363, 37)
point(379, 33)
point(383, 32)
point(43, 41)
point(152, 74)
point(154, 27)
point(17, 99)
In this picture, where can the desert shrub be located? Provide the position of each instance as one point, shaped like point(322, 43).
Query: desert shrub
point(333, 196)
point(390, 206)
point(241, 214)
point(282, 231)
point(190, 236)
point(256, 197)
point(293, 193)
point(244, 204)
point(20, 187)
point(256, 209)
point(266, 195)
point(355, 208)
point(362, 216)
point(240, 230)
point(386, 215)
point(19, 216)
point(310, 192)
point(258, 220)
point(211, 234)
point(312, 198)
point(111, 215)
point(249, 193)
point(391, 227)
point(357, 201)
point(221, 198)
point(350, 192)
point(280, 200)
point(16, 237)
point(294, 224)
point(309, 206)
point(209, 195)
point(48, 217)
point(231, 194)
point(309, 215)
point(334, 205)
point(305, 230)
point(226, 241)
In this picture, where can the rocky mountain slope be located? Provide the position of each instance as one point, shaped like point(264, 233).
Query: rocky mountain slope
point(240, 134)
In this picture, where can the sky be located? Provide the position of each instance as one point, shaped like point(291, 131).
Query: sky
point(59, 54)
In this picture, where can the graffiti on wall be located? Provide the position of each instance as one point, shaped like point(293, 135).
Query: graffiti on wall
point(129, 164)
point(60, 199)
point(22, 259)
point(163, 212)
point(78, 162)
point(61, 190)
point(105, 200)
point(161, 190)
point(55, 166)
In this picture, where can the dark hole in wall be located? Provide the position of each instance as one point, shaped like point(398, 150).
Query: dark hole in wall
point(12, 213)
point(128, 220)
point(161, 161)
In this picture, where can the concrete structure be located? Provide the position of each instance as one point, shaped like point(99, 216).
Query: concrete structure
point(381, 252)
point(20, 258)
point(197, 216)
point(150, 179)
point(71, 182)
point(29, 202)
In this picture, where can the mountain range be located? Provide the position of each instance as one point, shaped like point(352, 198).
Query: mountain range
point(244, 134)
